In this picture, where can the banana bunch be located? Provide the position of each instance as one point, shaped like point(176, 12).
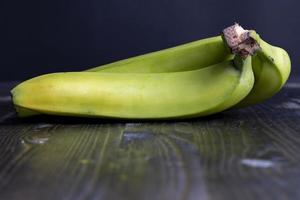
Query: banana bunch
point(236, 69)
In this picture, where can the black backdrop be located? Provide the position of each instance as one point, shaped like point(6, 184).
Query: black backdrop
point(42, 36)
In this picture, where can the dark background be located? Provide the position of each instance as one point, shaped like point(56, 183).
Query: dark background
point(42, 36)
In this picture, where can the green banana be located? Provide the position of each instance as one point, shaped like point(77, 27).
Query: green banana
point(190, 56)
point(139, 96)
point(271, 65)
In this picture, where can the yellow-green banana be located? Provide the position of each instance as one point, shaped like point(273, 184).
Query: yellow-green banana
point(190, 56)
point(271, 65)
point(136, 95)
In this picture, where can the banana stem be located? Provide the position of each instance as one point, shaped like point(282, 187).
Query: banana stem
point(240, 41)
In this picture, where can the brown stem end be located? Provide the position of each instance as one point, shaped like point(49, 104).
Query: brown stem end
point(240, 41)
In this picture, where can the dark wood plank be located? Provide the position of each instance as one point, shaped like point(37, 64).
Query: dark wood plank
point(251, 153)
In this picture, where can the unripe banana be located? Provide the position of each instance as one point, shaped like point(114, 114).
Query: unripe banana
point(138, 96)
point(271, 65)
point(186, 57)
point(190, 56)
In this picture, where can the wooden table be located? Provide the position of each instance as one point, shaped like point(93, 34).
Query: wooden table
point(251, 153)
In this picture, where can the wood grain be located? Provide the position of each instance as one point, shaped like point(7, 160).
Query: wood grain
point(251, 153)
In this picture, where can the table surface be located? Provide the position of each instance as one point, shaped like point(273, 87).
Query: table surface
point(251, 153)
